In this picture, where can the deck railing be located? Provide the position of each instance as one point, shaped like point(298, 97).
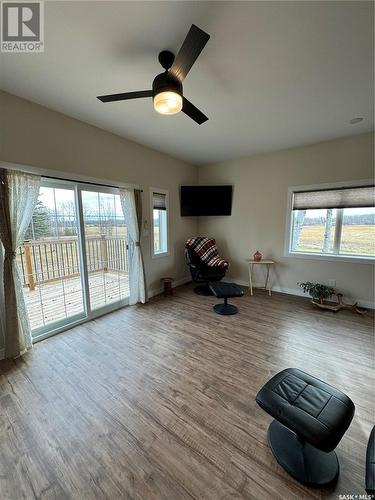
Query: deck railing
point(46, 260)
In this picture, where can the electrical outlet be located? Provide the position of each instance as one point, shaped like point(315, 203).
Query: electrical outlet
point(332, 283)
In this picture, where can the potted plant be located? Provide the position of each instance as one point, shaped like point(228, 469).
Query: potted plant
point(320, 293)
point(317, 291)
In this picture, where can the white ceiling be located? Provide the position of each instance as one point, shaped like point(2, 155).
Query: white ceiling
point(273, 75)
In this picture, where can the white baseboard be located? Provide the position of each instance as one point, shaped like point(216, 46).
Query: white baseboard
point(288, 291)
point(365, 303)
point(157, 291)
point(299, 293)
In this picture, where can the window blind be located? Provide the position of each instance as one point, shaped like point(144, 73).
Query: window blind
point(335, 198)
point(159, 201)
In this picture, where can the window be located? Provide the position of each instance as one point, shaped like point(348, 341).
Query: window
point(159, 214)
point(337, 222)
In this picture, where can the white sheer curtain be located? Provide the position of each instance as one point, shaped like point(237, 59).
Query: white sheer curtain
point(19, 197)
point(137, 286)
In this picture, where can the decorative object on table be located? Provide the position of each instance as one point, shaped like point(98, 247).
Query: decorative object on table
point(266, 262)
point(224, 291)
point(205, 263)
point(167, 285)
point(257, 256)
point(320, 293)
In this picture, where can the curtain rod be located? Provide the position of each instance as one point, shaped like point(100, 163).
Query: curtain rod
point(82, 182)
point(64, 176)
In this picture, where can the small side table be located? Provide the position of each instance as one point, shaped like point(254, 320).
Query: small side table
point(167, 286)
point(267, 284)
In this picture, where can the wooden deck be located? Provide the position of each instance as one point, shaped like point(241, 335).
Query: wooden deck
point(56, 300)
point(157, 401)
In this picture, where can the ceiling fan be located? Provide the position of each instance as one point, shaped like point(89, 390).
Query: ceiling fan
point(166, 90)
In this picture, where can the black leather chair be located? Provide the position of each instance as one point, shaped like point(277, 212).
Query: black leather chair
point(370, 465)
point(310, 419)
point(201, 273)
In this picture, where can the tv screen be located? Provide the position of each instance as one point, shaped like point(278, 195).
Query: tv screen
point(206, 200)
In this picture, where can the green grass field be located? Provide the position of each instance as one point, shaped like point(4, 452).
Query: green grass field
point(355, 240)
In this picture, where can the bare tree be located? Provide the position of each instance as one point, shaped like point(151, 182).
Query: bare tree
point(66, 216)
point(328, 230)
point(299, 218)
point(107, 216)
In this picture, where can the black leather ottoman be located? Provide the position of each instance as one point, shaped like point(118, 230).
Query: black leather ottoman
point(310, 419)
point(224, 290)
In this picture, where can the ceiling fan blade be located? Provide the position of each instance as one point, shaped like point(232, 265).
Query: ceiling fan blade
point(192, 46)
point(194, 113)
point(124, 96)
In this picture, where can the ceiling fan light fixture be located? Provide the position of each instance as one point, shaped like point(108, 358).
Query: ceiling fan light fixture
point(167, 91)
point(168, 102)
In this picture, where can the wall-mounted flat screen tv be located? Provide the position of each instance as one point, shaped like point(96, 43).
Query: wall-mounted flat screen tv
point(206, 200)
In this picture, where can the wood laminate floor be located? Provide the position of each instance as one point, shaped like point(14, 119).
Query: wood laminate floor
point(157, 401)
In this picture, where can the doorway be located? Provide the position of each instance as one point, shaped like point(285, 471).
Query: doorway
point(74, 260)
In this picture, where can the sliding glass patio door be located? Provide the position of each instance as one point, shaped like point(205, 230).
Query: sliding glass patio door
point(105, 248)
point(49, 260)
point(74, 261)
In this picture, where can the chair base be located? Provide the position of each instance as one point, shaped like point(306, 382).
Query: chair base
point(203, 290)
point(304, 462)
point(225, 309)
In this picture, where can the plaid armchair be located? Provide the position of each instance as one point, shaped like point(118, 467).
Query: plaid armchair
point(204, 263)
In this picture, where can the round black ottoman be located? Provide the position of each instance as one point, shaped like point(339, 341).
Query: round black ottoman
point(310, 419)
point(224, 291)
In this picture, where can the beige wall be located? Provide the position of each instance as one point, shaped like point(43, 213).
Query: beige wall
point(34, 135)
point(259, 210)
